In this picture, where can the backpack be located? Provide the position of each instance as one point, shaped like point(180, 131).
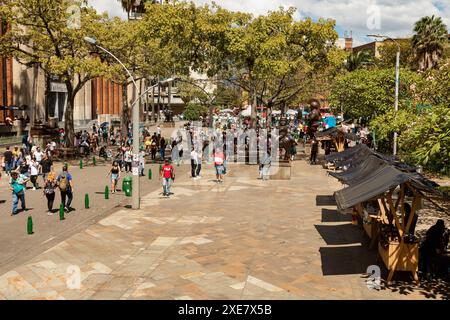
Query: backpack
point(63, 182)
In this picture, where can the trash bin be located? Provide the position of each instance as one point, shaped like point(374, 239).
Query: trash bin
point(127, 186)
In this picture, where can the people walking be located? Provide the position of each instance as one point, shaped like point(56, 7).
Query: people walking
point(114, 172)
point(49, 191)
point(194, 160)
point(17, 185)
point(8, 160)
point(218, 157)
point(34, 172)
point(265, 166)
point(128, 157)
point(314, 150)
point(65, 185)
point(167, 174)
point(162, 148)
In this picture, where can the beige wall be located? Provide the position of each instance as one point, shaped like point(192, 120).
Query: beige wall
point(29, 89)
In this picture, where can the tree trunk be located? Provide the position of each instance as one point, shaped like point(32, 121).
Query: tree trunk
point(125, 120)
point(69, 127)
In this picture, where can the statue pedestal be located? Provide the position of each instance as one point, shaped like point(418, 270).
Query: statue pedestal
point(281, 170)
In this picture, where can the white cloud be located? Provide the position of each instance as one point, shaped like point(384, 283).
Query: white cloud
point(112, 7)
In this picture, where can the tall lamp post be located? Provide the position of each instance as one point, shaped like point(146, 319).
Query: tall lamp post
point(397, 80)
point(136, 122)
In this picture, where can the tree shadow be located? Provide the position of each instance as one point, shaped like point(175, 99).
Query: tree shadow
point(322, 200)
point(404, 284)
point(329, 215)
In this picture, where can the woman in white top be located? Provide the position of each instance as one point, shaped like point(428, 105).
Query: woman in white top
point(34, 173)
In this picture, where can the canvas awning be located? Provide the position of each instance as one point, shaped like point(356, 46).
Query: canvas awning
point(372, 186)
point(354, 174)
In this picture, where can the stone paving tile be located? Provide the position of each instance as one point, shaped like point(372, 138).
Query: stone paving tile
point(240, 240)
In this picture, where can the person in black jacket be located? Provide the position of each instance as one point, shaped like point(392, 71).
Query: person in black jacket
point(433, 248)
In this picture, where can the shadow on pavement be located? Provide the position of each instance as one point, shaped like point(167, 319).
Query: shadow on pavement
point(404, 284)
point(340, 234)
point(334, 216)
point(346, 260)
point(325, 201)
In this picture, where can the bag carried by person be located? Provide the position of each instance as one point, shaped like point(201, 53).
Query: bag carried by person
point(49, 188)
point(63, 183)
point(17, 187)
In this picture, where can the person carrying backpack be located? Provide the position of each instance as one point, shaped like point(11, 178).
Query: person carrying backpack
point(65, 184)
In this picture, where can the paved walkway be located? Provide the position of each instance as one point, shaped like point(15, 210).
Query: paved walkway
point(243, 239)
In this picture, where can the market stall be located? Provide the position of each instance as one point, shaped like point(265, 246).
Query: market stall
point(380, 198)
point(337, 136)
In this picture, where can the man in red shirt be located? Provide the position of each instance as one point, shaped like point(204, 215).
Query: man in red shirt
point(167, 173)
point(219, 159)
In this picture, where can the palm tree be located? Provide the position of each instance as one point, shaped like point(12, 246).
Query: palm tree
point(429, 41)
point(358, 60)
point(137, 6)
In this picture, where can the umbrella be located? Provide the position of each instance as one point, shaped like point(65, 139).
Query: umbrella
point(104, 124)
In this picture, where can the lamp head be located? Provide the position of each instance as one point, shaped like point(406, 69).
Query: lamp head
point(90, 40)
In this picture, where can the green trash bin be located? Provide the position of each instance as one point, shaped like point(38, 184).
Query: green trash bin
point(127, 186)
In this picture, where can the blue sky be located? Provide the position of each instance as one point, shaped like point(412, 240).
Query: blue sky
point(391, 17)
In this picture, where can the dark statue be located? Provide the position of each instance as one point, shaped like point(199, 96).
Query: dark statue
point(286, 141)
point(314, 117)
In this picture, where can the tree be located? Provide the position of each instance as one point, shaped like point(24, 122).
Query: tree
point(428, 41)
point(272, 57)
point(369, 93)
point(41, 35)
point(427, 140)
point(194, 111)
point(388, 52)
point(358, 60)
point(142, 56)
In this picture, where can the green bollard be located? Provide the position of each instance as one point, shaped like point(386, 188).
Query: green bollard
point(61, 212)
point(106, 192)
point(81, 164)
point(149, 174)
point(94, 161)
point(86, 201)
point(30, 225)
point(160, 167)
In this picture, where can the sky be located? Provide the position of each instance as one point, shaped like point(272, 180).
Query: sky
point(394, 18)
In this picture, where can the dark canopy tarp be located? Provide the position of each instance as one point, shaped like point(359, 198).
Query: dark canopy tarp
point(378, 182)
point(355, 174)
point(335, 133)
point(346, 154)
point(385, 178)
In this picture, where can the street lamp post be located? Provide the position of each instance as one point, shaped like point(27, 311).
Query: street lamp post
point(397, 81)
point(135, 121)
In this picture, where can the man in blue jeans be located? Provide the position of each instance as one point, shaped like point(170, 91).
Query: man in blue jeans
point(17, 186)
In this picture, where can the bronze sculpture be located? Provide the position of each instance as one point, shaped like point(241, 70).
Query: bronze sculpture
point(314, 117)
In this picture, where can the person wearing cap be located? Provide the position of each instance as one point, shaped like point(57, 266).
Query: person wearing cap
point(167, 173)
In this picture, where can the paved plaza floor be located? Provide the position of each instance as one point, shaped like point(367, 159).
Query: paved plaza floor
point(243, 239)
